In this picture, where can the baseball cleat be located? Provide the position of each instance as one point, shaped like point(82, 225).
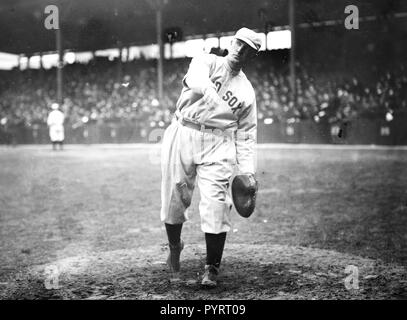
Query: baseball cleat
point(174, 257)
point(210, 276)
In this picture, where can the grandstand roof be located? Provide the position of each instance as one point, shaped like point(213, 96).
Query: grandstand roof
point(98, 24)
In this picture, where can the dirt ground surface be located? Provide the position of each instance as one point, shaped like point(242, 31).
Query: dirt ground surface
point(84, 224)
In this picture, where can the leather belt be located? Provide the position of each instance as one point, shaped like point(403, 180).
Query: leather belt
point(195, 125)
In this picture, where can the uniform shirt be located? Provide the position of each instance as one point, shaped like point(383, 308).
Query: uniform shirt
point(55, 118)
point(237, 112)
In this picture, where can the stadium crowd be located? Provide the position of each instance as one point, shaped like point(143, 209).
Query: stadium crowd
point(105, 91)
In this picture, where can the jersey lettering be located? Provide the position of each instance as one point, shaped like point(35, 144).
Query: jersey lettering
point(227, 95)
point(232, 101)
point(218, 85)
point(234, 90)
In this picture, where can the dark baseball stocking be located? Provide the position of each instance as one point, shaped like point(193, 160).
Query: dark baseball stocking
point(173, 233)
point(214, 248)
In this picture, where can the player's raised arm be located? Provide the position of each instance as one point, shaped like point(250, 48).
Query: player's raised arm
point(246, 139)
point(197, 77)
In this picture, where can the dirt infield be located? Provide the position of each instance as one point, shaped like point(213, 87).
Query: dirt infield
point(90, 216)
point(249, 272)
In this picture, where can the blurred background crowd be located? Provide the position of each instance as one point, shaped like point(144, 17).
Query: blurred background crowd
point(104, 91)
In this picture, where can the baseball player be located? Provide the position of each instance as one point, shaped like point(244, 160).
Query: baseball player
point(213, 131)
point(55, 123)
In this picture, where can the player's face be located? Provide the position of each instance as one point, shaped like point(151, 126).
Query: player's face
point(241, 52)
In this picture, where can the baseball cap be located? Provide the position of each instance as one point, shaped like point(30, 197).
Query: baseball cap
point(250, 37)
point(54, 106)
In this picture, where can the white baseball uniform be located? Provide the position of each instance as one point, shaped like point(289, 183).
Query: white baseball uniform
point(208, 156)
point(55, 122)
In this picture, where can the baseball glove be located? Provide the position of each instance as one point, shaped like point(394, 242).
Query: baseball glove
point(244, 192)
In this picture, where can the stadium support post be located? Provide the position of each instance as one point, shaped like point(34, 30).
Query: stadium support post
point(160, 53)
point(28, 61)
point(120, 62)
point(41, 62)
point(293, 86)
point(262, 15)
point(60, 65)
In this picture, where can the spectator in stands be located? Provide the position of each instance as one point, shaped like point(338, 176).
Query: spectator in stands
point(95, 91)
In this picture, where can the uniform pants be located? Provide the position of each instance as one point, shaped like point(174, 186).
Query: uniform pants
point(56, 133)
point(207, 157)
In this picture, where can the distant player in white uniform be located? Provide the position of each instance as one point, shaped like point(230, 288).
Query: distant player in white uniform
point(55, 123)
point(213, 131)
